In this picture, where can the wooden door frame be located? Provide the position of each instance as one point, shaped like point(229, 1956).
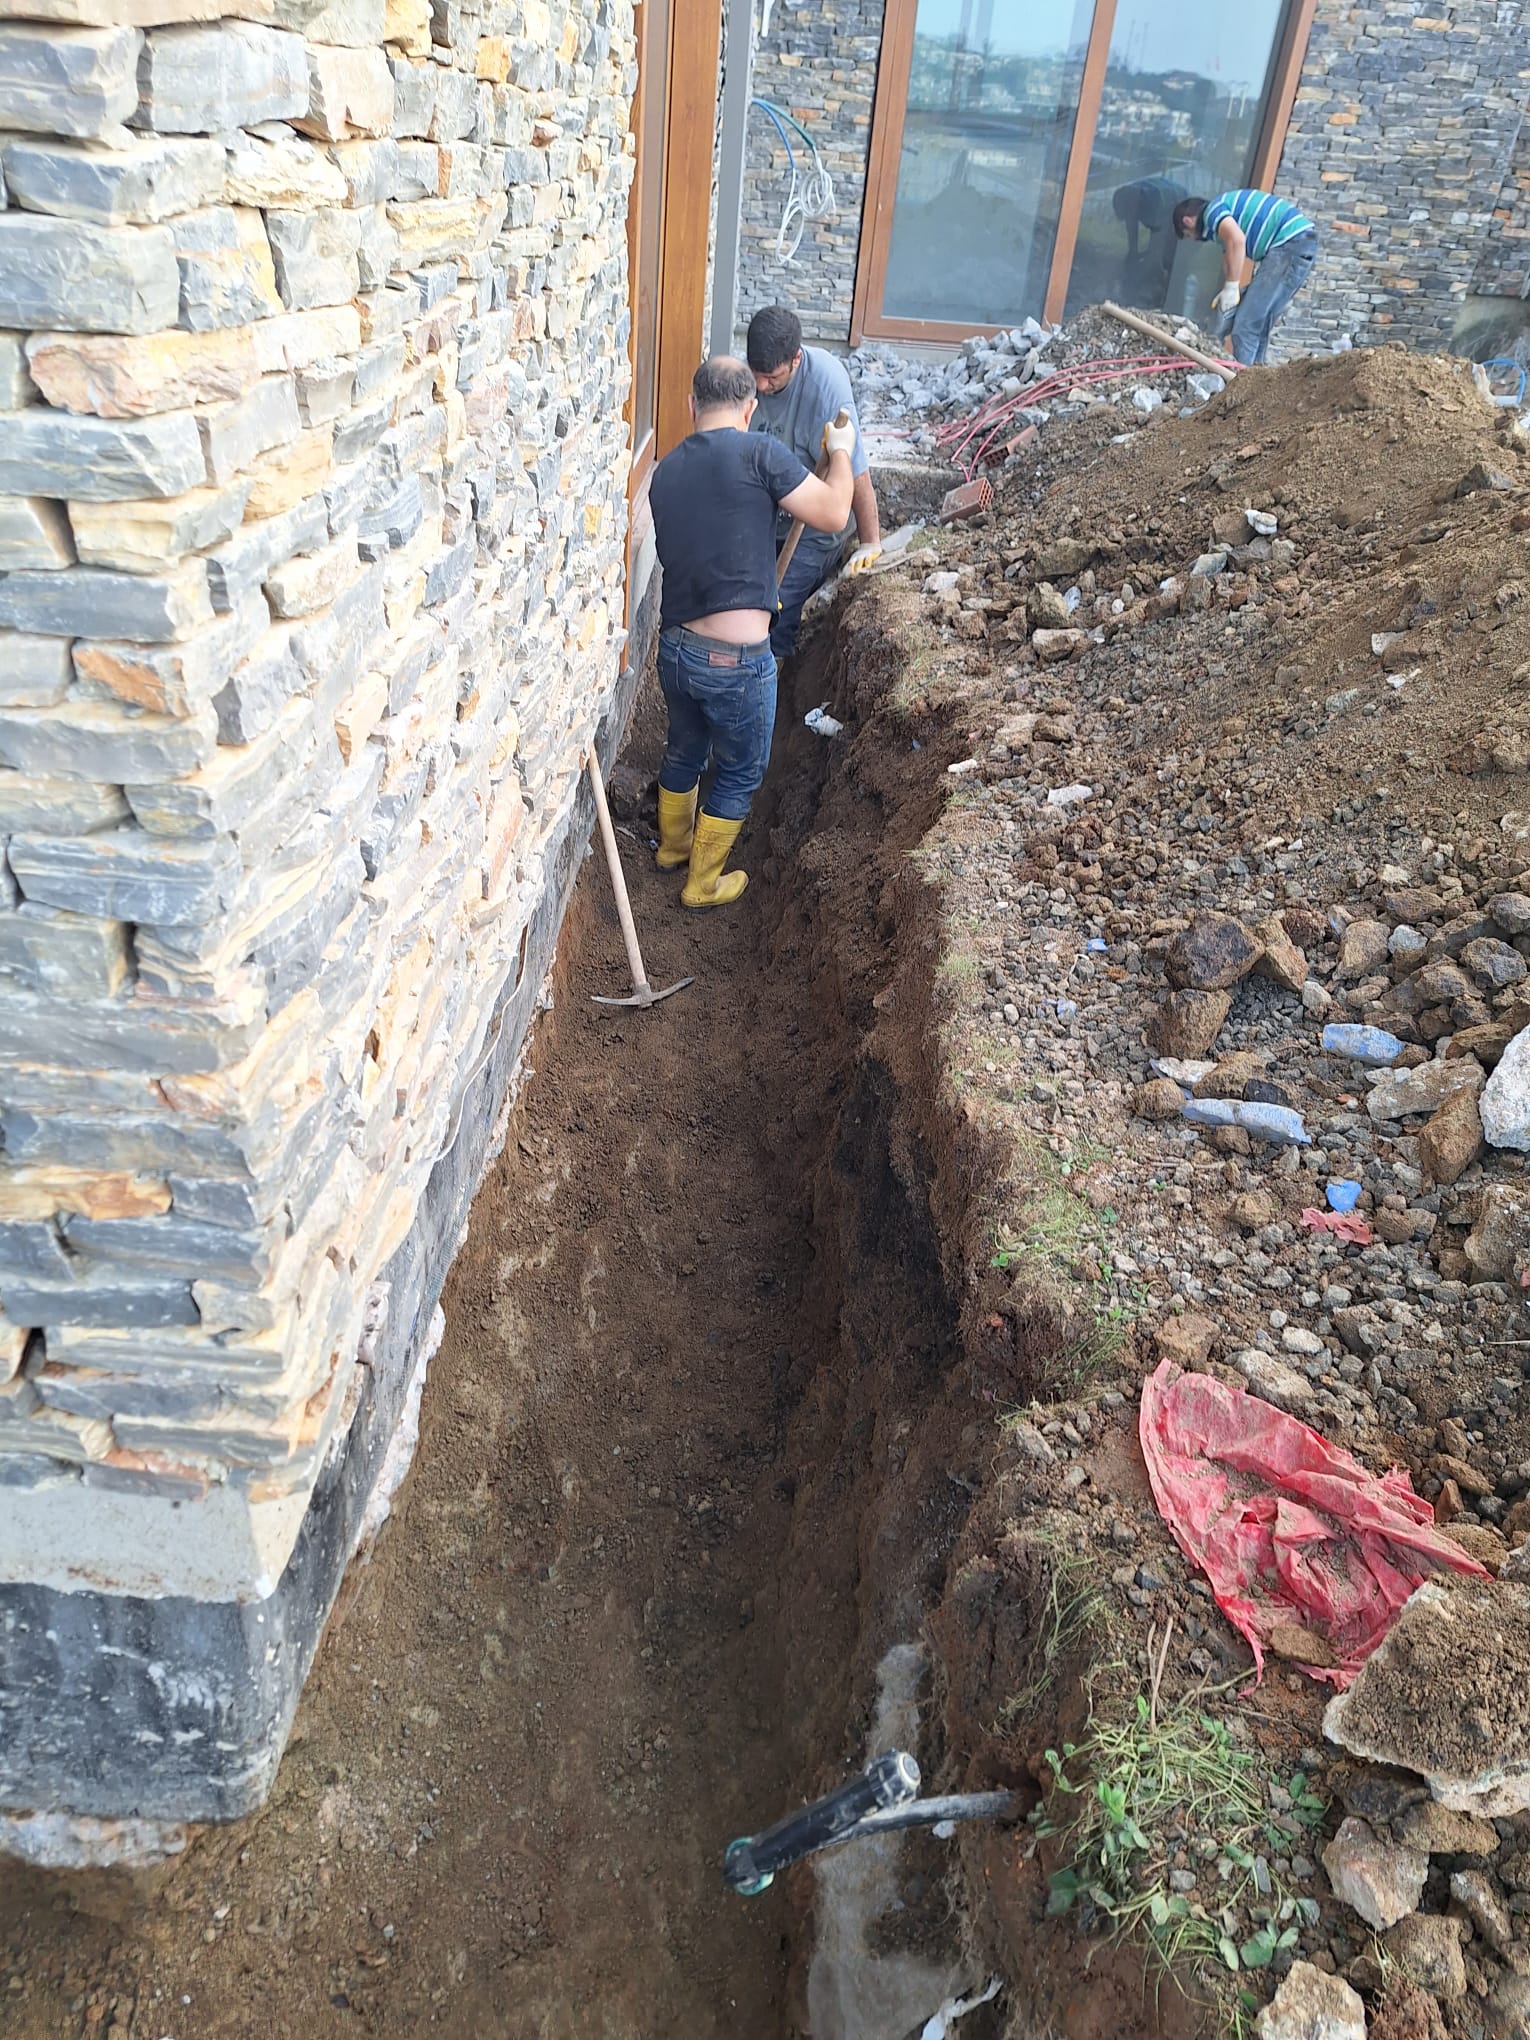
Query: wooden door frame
point(889, 105)
point(694, 40)
point(690, 131)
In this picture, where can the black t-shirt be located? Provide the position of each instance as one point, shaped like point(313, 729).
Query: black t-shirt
point(714, 520)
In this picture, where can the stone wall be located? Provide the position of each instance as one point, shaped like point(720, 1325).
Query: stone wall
point(1503, 269)
point(1402, 136)
point(1408, 144)
point(820, 62)
point(312, 525)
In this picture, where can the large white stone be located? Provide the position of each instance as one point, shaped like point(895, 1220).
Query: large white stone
point(1506, 1097)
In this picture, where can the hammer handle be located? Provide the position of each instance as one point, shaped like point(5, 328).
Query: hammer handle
point(794, 536)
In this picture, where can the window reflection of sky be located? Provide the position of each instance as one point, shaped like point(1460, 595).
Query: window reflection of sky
point(1199, 35)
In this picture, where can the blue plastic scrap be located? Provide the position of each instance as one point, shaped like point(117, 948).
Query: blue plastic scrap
point(1275, 1123)
point(1372, 1046)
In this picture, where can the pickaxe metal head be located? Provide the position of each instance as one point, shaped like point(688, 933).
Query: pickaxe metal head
point(644, 994)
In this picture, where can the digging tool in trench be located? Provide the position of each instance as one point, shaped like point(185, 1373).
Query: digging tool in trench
point(873, 1802)
point(642, 993)
point(794, 536)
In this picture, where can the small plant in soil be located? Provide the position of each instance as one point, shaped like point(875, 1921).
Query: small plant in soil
point(1067, 1608)
point(1167, 1832)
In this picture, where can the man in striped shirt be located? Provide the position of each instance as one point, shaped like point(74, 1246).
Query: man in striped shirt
point(1252, 226)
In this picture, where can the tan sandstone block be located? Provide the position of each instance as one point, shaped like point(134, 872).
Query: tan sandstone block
point(360, 713)
point(296, 340)
point(287, 474)
point(116, 377)
point(28, 1195)
point(406, 26)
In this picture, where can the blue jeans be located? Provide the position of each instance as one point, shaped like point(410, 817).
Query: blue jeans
point(1277, 279)
point(817, 556)
point(722, 705)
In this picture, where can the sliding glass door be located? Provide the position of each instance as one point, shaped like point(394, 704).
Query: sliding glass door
point(1179, 117)
point(1026, 154)
point(992, 94)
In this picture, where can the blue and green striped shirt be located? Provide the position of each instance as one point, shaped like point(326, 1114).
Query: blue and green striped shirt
point(1266, 222)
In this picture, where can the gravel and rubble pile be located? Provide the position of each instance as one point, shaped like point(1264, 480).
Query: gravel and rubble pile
point(1244, 836)
point(917, 392)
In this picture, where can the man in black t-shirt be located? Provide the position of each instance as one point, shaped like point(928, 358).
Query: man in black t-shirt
point(714, 502)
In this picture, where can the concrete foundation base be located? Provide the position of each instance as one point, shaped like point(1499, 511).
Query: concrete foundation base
point(166, 1710)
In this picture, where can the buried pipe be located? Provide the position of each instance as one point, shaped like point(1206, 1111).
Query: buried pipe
point(876, 1801)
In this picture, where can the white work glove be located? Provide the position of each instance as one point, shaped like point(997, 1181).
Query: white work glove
point(838, 438)
point(1226, 299)
point(863, 557)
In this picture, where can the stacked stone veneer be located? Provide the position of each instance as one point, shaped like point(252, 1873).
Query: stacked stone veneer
point(1409, 143)
point(1503, 269)
point(312, 523)
point(1401, 143)
point(819, 61)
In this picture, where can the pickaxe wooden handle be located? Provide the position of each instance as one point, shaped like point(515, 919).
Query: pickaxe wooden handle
point(794, 536)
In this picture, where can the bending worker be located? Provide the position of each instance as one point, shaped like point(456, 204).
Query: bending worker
point(715, 501)
point(800, 390)
point(1255, 227)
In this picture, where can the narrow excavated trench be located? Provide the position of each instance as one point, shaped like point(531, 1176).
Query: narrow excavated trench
point(689, 1467)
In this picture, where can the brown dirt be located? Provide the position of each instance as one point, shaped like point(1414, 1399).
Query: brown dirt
point(675, 1495)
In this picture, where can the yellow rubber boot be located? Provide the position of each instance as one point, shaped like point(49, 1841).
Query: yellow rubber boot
point(708, 884)
point(677, 823)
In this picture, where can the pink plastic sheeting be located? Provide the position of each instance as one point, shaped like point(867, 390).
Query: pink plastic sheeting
point(1286, 1527)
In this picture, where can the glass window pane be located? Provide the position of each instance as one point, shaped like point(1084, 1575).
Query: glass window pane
point(991, 105)
point(1179, 117)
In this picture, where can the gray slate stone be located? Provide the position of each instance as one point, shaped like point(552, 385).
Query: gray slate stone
point(128, 875)
point(236, 570)
point(35, 672)
point(209, 81)
point(71, 955)
point(224, 261)
point(186, 524)
point(242, 782)
point(66, 276)
point(31, 1250)
point(147, 181)
point(16, 385)
point(90, 739)
point(99, 460)
point(67, 80)
point(29, 803)
point(104, 1297)
point(315, 256)
point(94, 602)
point(171, 1245)
point(174, 679)
point(34, 532)
point(235, 435)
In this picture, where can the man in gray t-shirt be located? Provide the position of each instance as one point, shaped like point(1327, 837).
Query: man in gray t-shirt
point(799, 390)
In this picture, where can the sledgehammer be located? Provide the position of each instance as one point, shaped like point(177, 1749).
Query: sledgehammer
point(642, 993)
point(794, 536)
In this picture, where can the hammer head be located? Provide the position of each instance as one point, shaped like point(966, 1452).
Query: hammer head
point(644, 995)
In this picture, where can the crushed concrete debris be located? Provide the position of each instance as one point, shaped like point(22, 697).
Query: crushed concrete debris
point(1447, 1696)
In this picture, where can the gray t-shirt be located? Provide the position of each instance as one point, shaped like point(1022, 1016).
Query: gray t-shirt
point(796, 416)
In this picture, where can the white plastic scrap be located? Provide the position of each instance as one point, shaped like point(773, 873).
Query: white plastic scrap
point(940, 2023)
point(821, 722)
point(1067, 796)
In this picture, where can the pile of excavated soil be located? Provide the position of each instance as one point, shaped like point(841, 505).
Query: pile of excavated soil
point(1329, 724)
